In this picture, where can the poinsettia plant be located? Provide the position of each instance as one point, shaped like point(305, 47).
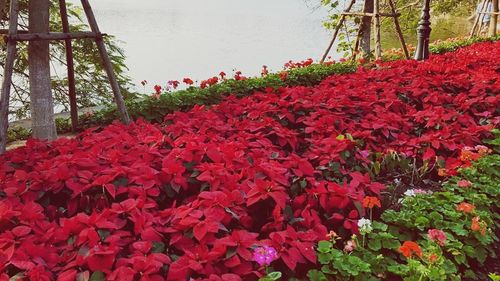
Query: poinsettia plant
point(195, 195)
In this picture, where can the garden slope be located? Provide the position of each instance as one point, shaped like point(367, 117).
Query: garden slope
point(193, 196)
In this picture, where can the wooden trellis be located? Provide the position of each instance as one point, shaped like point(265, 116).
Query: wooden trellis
point(478, 25)
point(13, 35)
point(376, 16)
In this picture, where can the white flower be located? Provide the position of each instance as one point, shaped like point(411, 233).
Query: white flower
point(365, 225)
point(414, 192)
point(410, 192)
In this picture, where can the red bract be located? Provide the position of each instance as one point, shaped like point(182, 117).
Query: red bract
point(188, 81)
point(193, 197)
point(174, 83)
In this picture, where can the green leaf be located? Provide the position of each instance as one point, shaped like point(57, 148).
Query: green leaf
point(97, 276)
point(324, 246)
point(391, 244)
point(324, 258)
point(375, 244)
point(274, 275)
point(316, 275)
point(422, 222)
point(158, 247)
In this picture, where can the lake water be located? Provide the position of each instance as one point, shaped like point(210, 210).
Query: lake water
point(173, 39)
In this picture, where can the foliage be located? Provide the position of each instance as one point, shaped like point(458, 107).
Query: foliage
point(192, 197)
point(410, 13)
point(91, 81)
point(460, 253)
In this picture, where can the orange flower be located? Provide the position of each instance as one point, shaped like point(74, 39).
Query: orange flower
point(466, 207)
point(432, 258)
point(370, 202)
point(478, 225)
point(442, 172)
point(332, 235)
point(410, 248)
point(467, 155)
point(482, 150)
point(283, 75)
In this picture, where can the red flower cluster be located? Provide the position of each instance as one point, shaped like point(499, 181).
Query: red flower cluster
point(410, 249)
point(199, 194)
point(174, 83)
point(299, 64)
point(238, 76)
point(209, 82)
point(188, 81)
point(157, 89)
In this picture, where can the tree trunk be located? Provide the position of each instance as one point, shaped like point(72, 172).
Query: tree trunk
point(366, 30)
point(494, 19)
point(42, 105)
point(2, 8)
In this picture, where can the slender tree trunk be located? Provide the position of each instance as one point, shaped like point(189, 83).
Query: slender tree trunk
point(42, 105)
point(494, 19)
point(2, 8)
point(366, 28)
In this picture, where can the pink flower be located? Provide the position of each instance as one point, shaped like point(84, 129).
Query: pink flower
point(464, 183)
point(437, 235)
point(350, 246)
point(364, 153)
point(265, 255)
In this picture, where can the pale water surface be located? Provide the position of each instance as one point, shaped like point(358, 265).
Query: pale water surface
point(173, 39)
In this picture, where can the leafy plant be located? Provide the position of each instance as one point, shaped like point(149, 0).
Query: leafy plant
point(453, 239)
point(196, 195)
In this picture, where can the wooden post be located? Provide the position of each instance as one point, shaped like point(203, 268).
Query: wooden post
point(482, 15)
point(336, 31)
point(478, 18)
point(106, 63)
point(398, 30)
point(494, 18)
point(7, 76)
point(71, 68)
point(356, 45)
point(376, 12)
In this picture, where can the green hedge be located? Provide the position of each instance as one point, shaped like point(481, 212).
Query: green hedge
point(153, 109)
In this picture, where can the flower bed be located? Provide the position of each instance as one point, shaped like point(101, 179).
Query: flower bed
point(155, 107)
point(201, 194)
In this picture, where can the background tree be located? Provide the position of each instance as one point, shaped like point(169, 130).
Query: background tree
point(91, 81)
point(366, 28)
point(42, 105)
point(410, 15)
